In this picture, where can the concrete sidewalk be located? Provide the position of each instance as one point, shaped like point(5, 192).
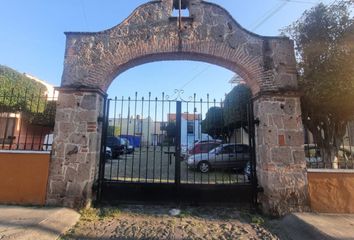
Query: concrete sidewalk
point(315, 226)
point(25, 223)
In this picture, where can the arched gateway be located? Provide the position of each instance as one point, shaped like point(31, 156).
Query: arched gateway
point(209, 34)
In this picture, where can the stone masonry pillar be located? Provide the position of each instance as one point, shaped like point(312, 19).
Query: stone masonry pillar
point(281, 164)
point(76, 147)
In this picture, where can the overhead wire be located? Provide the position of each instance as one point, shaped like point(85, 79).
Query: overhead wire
point(84, 13)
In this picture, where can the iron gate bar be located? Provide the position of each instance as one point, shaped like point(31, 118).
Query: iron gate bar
point(155, 177)
point(178, 143)
point(101, 166)
point(21, 125)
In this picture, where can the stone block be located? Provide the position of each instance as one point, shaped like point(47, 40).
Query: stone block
point(84, 172)
point(299, 156)
point(290, 106)
point(268, 135)
point(86, 116)
point(281, 156)
point(295, 138)
point(65, 129)
point(74, 189)
point(70, 174)
point(78, 139)
point(276, 120)
point(67, 101)
point(292, 122)
point(57, 187)
point(89, 102)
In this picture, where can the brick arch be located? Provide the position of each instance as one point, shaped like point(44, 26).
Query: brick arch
point(210, 34)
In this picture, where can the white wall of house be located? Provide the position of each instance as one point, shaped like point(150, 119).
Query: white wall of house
point(188, 136)
point(239, 136)
point(146, 128)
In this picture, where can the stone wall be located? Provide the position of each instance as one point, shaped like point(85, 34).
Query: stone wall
point(76, 147)
point(209, 34)
point(281, 164)
point(149, 34)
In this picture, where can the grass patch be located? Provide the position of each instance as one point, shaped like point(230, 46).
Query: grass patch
point(97, 214)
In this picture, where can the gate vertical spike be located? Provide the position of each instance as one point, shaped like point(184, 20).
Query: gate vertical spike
point(194, 111)
point(169, 145)
point(178, 143)
point(127, 144)
point(201, 114)
point(120, 132)
point(154, 140)
point(208, 135)
point(148, 138)
point(162, 123)
point(101, 167)
point(187, 136)
point(141, 130)
point(221, 131)
point(21, 124)
point(26, 134)
point(134, 134)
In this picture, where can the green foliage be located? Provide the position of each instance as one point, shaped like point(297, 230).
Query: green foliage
point(221, 122)
point(113, 131)
point(324, 38)
point(170, 129)
point(235, 107)
point(213, 124)
point(19, 93)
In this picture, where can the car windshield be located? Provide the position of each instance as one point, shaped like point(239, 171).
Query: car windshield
point(215, 150)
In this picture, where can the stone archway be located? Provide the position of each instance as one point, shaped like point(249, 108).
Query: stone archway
point(209, 34)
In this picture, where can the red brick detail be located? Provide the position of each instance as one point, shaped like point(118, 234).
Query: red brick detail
point(281, 140)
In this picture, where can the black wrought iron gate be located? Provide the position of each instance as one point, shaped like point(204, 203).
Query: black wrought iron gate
point(175, 150)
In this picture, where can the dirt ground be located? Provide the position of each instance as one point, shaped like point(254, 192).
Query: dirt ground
point(156, 222)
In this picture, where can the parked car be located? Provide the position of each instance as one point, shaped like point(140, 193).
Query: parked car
point(203, 147)
point(128, 148)
point(313, 156)
point(312, 153)
point(108, 153)
point(117, 145)
point(225, 156)
point(47, 143)
point(197, 148)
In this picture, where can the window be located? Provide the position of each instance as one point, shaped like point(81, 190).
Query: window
point(228, 149)
point(190, 127)
point(7, 127)
point(241, 149)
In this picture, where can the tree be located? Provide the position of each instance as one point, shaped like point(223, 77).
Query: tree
point(19, 93)
point(170, 129)
point(324, 38)
point(213, 124)
point(236, 107)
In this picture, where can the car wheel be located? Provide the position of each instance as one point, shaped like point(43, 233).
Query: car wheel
point(204, 167)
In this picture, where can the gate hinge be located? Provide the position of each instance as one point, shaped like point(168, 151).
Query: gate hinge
point(256, 122)
point(100, 119)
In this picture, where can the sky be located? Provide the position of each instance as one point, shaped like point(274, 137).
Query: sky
point(32, 40)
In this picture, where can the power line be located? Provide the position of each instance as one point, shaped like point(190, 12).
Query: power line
point(300, 1)
point(195, 76)
point(271, 14)
point(84, 13)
